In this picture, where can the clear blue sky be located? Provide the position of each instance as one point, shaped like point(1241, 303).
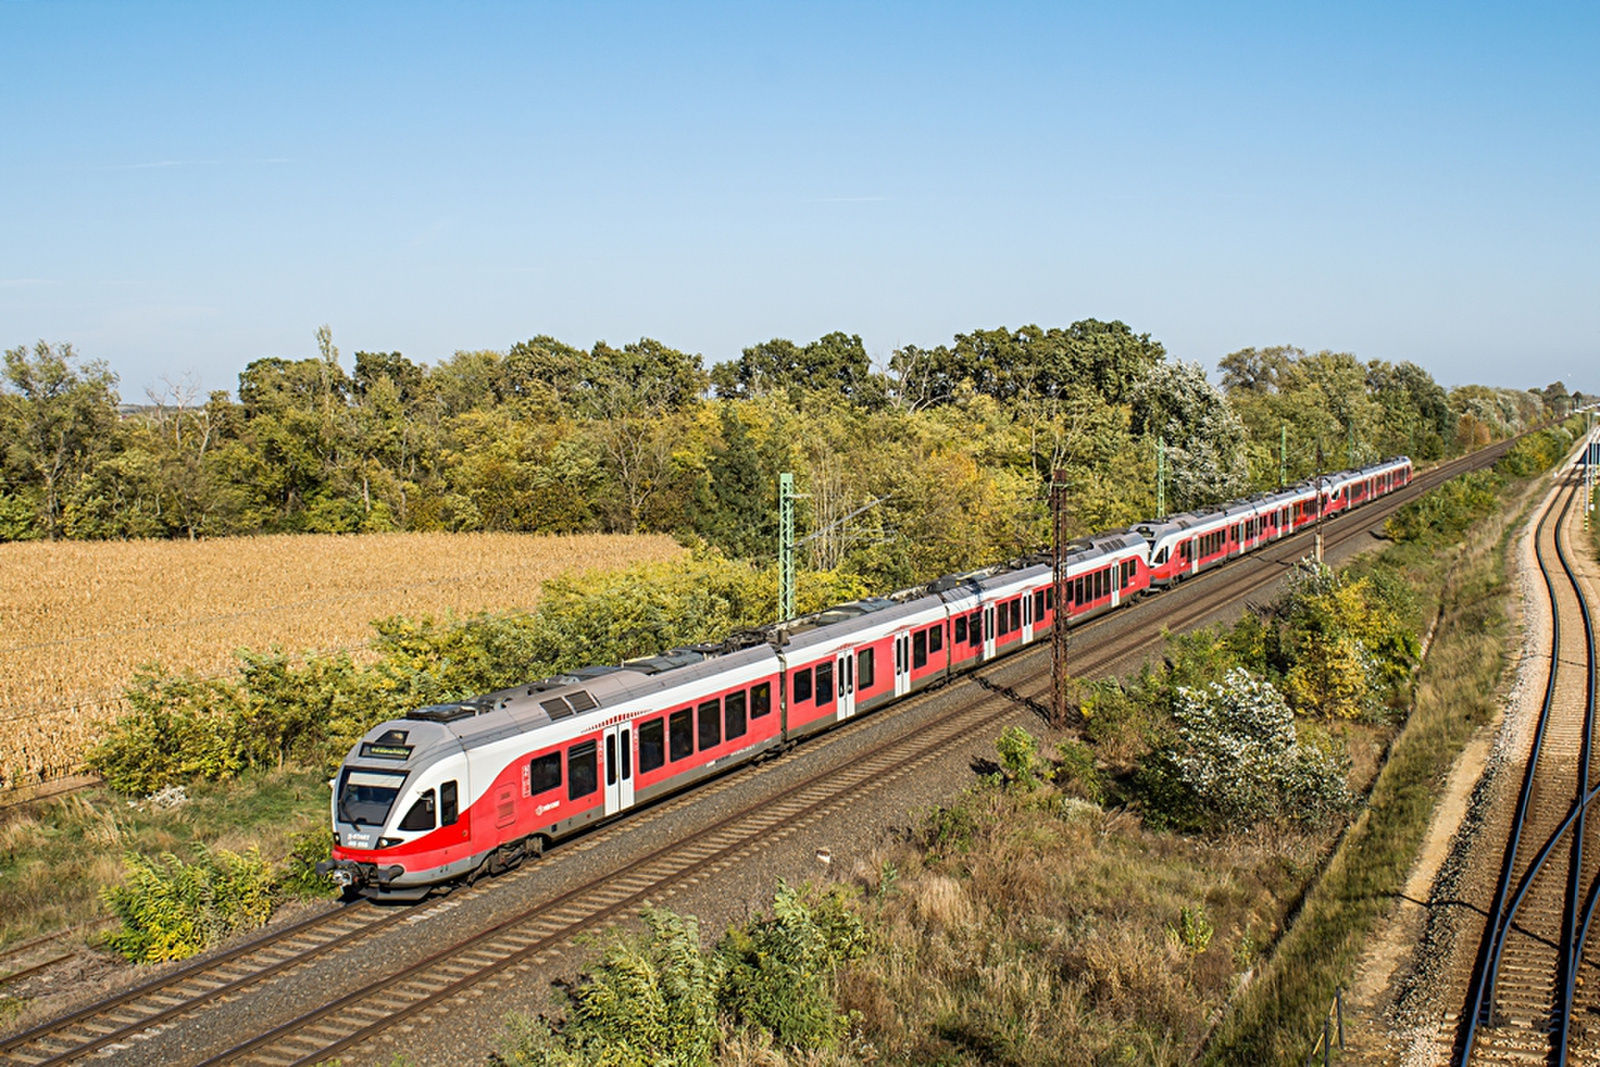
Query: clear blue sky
point(186, 187)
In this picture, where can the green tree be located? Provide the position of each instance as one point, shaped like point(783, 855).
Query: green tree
point(57, 413)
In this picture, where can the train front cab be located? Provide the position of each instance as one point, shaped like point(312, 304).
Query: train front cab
point(401, 812)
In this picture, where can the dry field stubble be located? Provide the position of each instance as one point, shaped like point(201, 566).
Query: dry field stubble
point(76, 618)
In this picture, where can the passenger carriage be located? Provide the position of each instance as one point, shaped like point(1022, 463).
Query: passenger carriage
point(455, 789)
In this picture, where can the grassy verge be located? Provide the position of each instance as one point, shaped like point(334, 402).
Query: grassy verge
point(59, 854)
point(1277, 1017)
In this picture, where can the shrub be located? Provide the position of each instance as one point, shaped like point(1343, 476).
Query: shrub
point(179, 729)
point(651, 1000)
point(170, 909)
point(1236, 760)
point(1077, 773)
point(1342, 648)
point(1019, 757)
point(778, 973)
point(654, 998)
point(1446, 512)
point(306, 850)
point(1535, 453)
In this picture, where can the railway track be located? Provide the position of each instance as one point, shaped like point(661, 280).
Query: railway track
point(1532, 993)
point(530, 935)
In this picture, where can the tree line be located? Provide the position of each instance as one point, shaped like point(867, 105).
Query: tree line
point(955, 442)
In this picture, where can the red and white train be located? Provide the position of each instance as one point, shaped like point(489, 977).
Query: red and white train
point(454, 790)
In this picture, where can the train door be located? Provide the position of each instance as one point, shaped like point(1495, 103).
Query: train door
point(1027, 618)
point(1193, 555)
point(619, 768)
point(845, 671)
point(988, 631)
point(902, 663)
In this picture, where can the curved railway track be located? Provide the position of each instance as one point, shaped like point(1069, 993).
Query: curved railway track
point(349, 1017)
point(1528, 998)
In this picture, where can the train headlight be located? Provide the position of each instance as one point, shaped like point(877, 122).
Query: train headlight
point(389, 842)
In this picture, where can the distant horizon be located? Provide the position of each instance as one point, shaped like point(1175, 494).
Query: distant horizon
point(192, 188)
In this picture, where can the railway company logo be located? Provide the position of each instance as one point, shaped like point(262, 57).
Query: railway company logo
point(542, 808)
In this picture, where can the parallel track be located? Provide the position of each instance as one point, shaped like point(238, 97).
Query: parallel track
point(529, 935)
point(1527, 982)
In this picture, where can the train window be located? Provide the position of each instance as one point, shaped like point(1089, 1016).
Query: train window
point(919, 649)
point(936, 638)
point(1016, 614)
point(583, 775)
point(1077, 591)
point(420, 817)
point(975, 628)
point(680, 734)
point(733, 715)
point(802, 686)
point(961, 629)
point(1038, 605)
point(760, 700)
point(865, 674)
point(824, 684)
point(611, 759)
point(710, 734)
point(449, 804)
point(652, 745)
point(366, 796)
point(627, 755)
point(1161, 556)
point(544, 773)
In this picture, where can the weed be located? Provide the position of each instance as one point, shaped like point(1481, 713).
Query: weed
point(171, 909)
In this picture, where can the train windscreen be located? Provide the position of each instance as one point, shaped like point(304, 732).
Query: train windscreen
point(365, 797)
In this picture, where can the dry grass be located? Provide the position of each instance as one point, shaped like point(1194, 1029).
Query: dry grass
point(1046, 935)
point(76, 618)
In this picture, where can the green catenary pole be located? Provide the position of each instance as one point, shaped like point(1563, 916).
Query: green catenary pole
point(1161, 477)
point(785, 546)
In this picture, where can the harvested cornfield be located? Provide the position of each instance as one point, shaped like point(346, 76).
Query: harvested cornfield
point(76, 618)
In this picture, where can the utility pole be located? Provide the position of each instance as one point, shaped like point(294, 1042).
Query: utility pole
point(1161, 477)
point(1283, 455)
point(1058, 584)
point(785, 546)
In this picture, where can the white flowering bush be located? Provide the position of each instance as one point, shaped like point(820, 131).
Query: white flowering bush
point(1236, 759)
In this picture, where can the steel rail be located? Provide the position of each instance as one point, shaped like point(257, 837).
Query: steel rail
point(1503, 909)
point(1505, 906)
point(90, 1018)
point(366, 1001)
point(1347, 525)
point(1577, 935)
point(739, 831)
